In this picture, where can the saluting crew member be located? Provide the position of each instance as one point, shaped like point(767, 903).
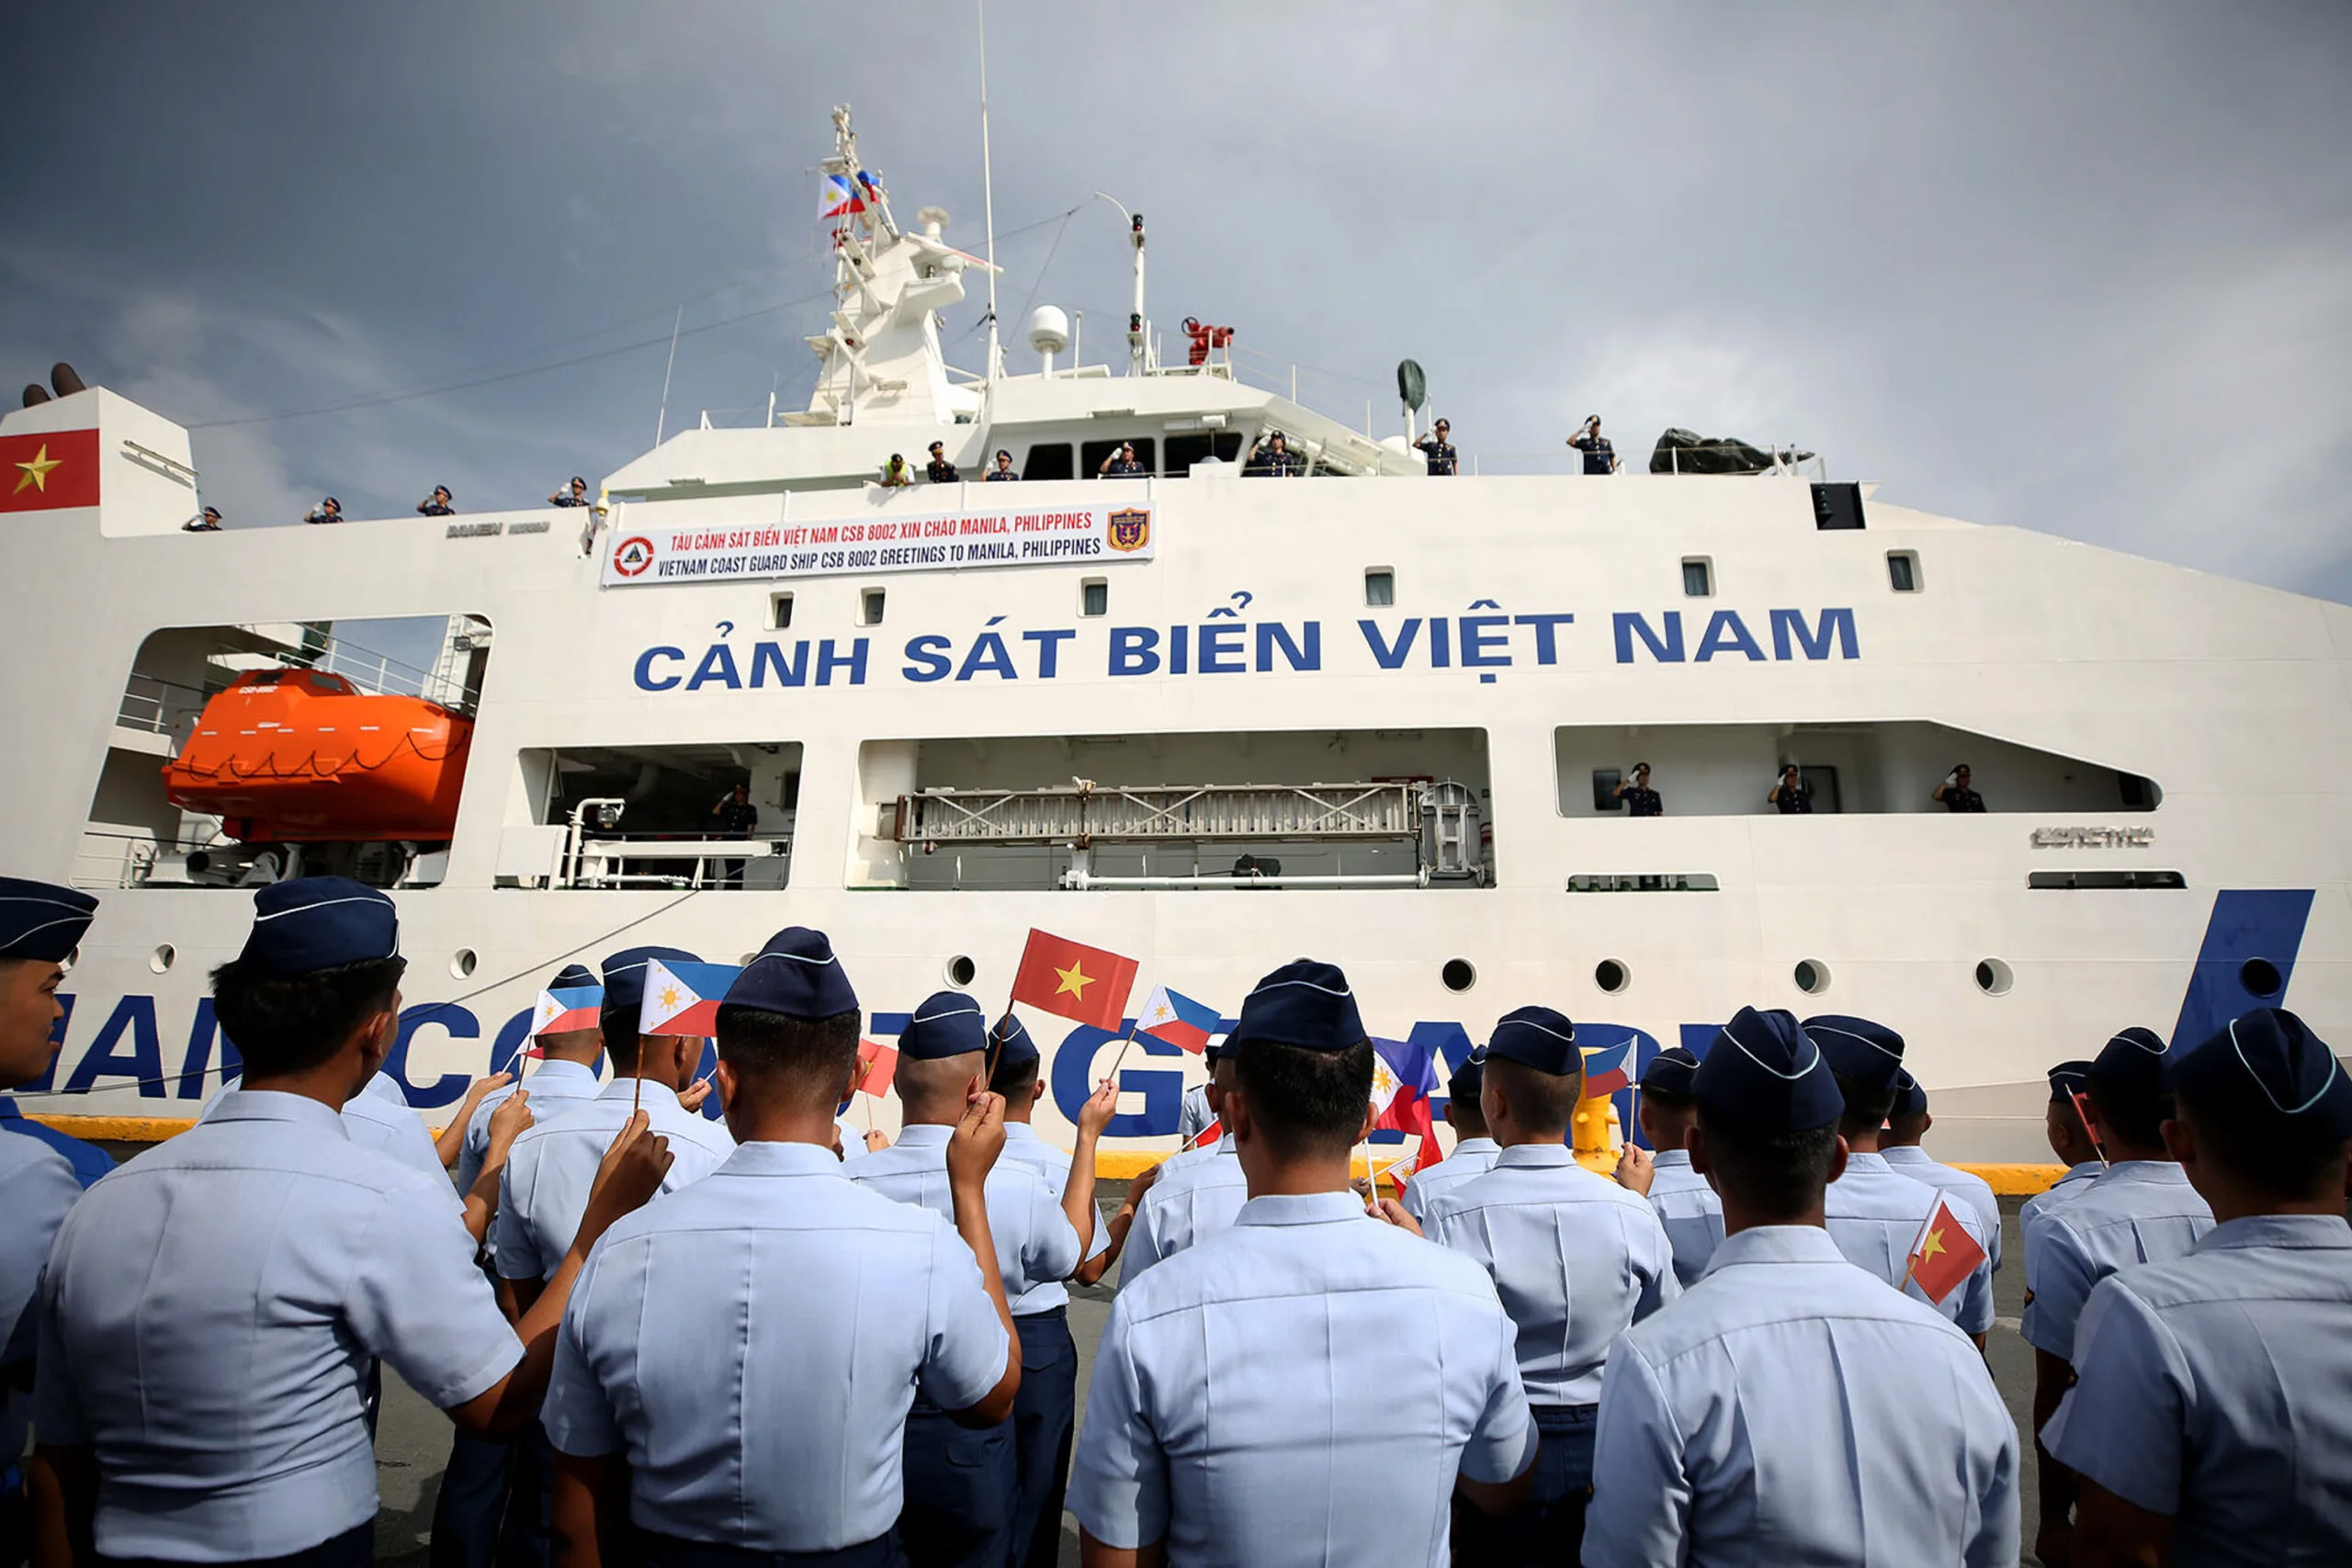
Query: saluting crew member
point(573, 494)
point(40, 925)
point(1246, 1396)
point(734, 1377)
point(1001, 469)
point(1474, 1147)
point(212, 1311)
point(2142, 1210)
point(1789, 1407)
point(1121, 464)
point(1955, 794)
point(437, 504)
point(1636, 792)
point(1875, 1212)
point(205, 521)
point(548, 1171)
point(1195, 1192)
point(1791, 795)
point(1908, 1123)
point(1437, 446)
point(962, 1478)
point(1271, 458)
point(2209, 1424)
point(327, 511)
point(2070, 1140)
point(1575, 1258)
point(1046, 1414)
point(1679, 1196)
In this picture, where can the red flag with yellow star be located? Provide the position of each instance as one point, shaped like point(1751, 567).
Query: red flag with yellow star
point(1067, 978)
point(1945, 1255)
point(54, 469)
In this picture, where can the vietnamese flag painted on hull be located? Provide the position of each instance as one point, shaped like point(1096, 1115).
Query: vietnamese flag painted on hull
point(44, 472)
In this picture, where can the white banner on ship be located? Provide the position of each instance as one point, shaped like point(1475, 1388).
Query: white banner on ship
point(938, 542)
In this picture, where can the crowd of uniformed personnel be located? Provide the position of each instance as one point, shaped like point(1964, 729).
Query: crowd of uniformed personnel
point(782, 1343)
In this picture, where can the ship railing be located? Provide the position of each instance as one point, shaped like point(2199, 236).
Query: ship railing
point(1555, 464)
point(156, 707)
point(610, 862)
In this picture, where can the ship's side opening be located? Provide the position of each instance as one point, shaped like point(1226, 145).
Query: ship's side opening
point(711, 816)
point(247, 754)
point(1223, 811)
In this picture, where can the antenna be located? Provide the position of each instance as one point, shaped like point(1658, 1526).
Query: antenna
point(987, 189)
point(663, 418)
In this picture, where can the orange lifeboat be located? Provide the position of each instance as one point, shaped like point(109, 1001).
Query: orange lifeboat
point(302, 757)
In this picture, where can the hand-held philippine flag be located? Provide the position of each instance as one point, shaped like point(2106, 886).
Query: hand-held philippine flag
point(682, 999)
point(563, 1012)
point(1607, 1068)
point(1403, 1076)
point(878, 1065)
point(1070, 980)
point(49, 469)
point(1945, 1255)
point(1176, 1019)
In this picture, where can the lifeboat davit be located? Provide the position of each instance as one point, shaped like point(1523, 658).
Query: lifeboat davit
point(297, 756)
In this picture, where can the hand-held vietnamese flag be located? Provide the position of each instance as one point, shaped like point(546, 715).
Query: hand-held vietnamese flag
point(682, 999)
point(1607, 1068)
point(1205, 1136)
point(49, 469)
point(1403, 1076)
point(1945, 1255)
point(568, 1011)
point(1177, 1019)
point(877, 1065)
point(1085, 985)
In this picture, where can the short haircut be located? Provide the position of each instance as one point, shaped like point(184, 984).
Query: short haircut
point(1305, 1102)
point(1466, 1111)
point(1866, 1107)
point(1909, 1127)
point(793, 1058)
point(2137, 1112)
point(2283, 1156)
point(1781, 1176)
point(935, 1085)
point(1014, 1078)
point(285, 1025)
point(619, 1024)
point(1543, 1102)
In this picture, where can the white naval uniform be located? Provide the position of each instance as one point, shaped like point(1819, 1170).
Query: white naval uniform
point(753, 1343)
point(1688, 1209)
point(1246, 1395)
point(37, 1189)
point(1911, 1160)
point(552, 1166)
point(1471, 1158)
point(210, 1318)
point(1790, 1408)
point(1186, 1205)
point(1875, 1216)
point(2141, 1211)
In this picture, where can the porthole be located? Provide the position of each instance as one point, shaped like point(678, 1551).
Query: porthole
point(461, 964)
point(960, 971)
point(161, 960)
point(1458, 975)
point(1994, 977)
point(1811, 976)
point(2261, 978)
point(1612, 976)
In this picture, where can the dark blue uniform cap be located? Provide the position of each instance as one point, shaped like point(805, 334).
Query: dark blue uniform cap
point(2133, 1062)
point(949, 1023)
point(1468, 1079)
point(319, 922)
point(1009, 1039)
point(571, 976)
point(1536, 1037)
point(1304, 1003)
point(1857, 1049)
point(41, 922)
point(1219, 1048)
point(796, 976)
point(625, 976)
point(2068, 1080)
point(1670, 1072)
point(1765, 1073)
point(2267, 1069)
point(1910, 1099)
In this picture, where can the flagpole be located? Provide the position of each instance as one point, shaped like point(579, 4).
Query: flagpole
point(1120, 1060)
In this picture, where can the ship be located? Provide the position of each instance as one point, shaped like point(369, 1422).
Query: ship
point(1201, 714)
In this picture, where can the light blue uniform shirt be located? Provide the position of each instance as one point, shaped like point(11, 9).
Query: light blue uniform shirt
point(1194, 1113)
point(2217, 1389)
point(1022, 1144)
point(1188, 1204)
point(1034, 1243)
point(379, 1118)
point(38, 1188)
point(211, 1312)
point(753, 1344)
point(1791, 1408)
point(1471, 1157)
point(2066, 1189)
point(1876, 1215)
point(1302, 1388)
point(555, 1086)
point(550, 1170)
point(1688, 1209)
point(2142, 1211)
point(1575, 1257)
point(1911, 1160)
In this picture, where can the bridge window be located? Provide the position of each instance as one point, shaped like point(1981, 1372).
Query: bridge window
point(1048, 460)
point(1183, 451)
point(1091, 454)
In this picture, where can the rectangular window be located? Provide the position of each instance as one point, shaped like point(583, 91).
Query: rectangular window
point(1183, 451)
point(610, 816)
point(1604, 789)
point(1047, 460)
point(1698, 577)
point(1095, 597)
point(869, 607)
point(1902, 571)
point(779, 611)
point(1379, 587)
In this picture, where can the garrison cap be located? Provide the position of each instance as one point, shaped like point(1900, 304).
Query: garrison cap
point(1766, 1073)
point(1469, 1078)
point(1304, 1003)
point(1857, 1049)
point(572, 976)
point(949, 1023)
point(1910, 1099)
point(1219, 1048)
point(1536, 1037)
point(796, 976)
point(2132, 1061)
point(41, 922)
point(1669, 1073)
point(1009, 1039)
point(625, 976)
point(319, 922)
point(2066, 1080)
point(2267, 1070)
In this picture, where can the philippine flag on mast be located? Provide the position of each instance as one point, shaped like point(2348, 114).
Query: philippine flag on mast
point(836, 196)
point(682, 999)
point(1177, 1018)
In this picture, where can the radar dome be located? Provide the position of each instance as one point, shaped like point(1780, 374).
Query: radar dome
point(1048, 329)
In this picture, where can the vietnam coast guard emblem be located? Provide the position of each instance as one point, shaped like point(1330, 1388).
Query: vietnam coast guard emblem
point(1130, 528)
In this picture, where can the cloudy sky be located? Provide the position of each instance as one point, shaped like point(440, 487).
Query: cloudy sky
point(2085, 268)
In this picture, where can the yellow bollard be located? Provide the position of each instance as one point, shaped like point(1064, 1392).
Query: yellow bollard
point(1593, 1136)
